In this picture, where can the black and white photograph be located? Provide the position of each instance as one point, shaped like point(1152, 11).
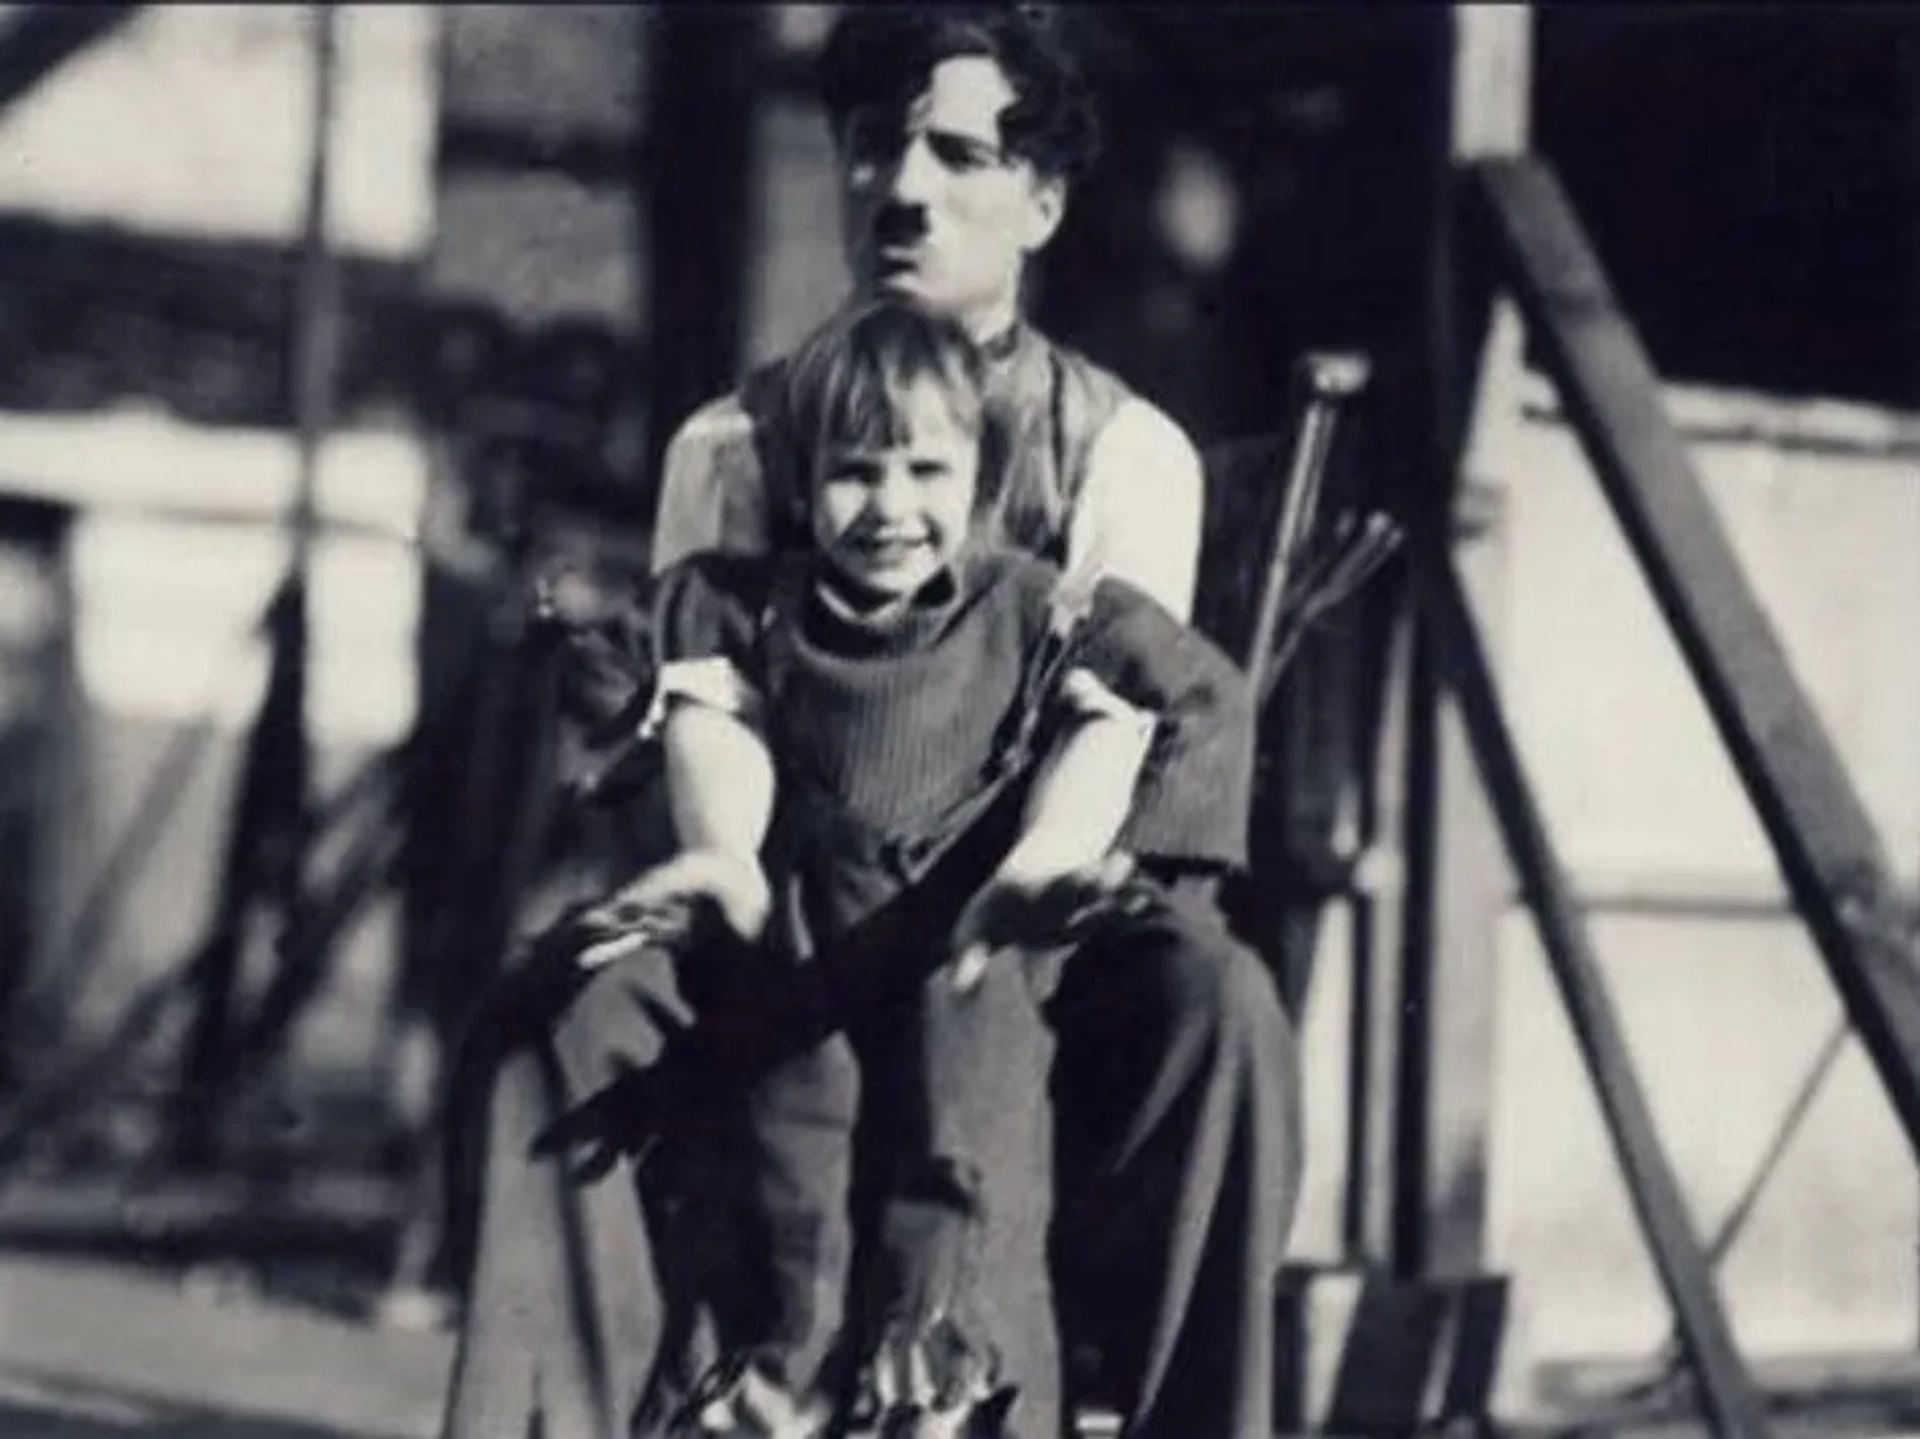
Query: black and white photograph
point(959, 721)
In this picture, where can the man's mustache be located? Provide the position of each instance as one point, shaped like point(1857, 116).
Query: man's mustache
point(899, 225)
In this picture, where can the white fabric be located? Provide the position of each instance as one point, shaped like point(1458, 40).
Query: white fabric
point(714, 681)
point(1086, 693)
point(1083, 691)
point(1139, 515)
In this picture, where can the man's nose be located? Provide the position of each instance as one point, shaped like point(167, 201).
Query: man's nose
point(913, 176)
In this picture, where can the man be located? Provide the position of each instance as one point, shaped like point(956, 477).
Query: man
point(959, 132)
point(952, 181)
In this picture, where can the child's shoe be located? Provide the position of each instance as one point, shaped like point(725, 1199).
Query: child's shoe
point(737, 1399)
point(935, 1371)
point(930, 1382)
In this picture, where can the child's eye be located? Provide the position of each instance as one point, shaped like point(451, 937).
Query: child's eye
point(851, 471)
point(929, 469)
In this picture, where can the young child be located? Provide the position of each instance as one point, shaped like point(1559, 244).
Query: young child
point(913, 765)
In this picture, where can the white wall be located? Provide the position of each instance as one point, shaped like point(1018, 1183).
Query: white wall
point(194, 120)
point(1724, 1015)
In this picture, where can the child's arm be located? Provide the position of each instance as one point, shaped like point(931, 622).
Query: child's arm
point(720, 787)
point(1064, 857)
point(1084, 792)
point(1159, 767)
point(719, 771)
point(719, 780)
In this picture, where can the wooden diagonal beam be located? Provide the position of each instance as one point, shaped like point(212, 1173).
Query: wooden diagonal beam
point(1732, 1405)
point(1826, 844)
point(36, 40)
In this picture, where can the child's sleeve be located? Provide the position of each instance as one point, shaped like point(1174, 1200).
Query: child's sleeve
point(705, 635)
point(1133, 657)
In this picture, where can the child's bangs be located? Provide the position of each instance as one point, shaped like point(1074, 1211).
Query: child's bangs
point(865, 384)
point(872, 408)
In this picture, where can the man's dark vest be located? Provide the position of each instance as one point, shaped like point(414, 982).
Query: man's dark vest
point(1050, 404)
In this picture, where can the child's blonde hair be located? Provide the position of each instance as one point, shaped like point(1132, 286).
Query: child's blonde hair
point(849, 382)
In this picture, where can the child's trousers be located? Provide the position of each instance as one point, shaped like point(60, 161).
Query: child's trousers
point(1128, 1115)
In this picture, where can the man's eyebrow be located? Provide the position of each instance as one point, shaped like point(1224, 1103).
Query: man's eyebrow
point(972, 137)
point(972, 140)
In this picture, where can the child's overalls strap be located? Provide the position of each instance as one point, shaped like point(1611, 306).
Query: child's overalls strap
point(1067, 608)
point(779, 623)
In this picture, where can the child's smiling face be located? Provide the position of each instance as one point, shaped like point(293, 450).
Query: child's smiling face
point(890, 516)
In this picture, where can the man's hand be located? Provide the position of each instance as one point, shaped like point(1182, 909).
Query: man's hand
point(1014, 911)
point(662, 900)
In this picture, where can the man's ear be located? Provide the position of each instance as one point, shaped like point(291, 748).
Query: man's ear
point(1049, 209)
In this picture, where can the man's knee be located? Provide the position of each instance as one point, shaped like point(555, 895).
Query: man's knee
point(1216, 986)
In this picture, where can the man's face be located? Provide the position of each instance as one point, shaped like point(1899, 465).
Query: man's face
point(891, 517)
point(934, 210)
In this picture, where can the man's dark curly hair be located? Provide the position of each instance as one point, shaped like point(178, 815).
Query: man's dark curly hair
point(883, 55)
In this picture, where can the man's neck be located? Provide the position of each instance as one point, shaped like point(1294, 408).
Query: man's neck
point(994, 326)
point(999, 345)
point(996, 331)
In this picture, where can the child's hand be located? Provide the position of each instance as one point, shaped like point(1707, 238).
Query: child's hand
point(1015, 912)
point(661, 901)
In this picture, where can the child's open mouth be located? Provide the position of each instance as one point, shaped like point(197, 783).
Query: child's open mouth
point(888, 550)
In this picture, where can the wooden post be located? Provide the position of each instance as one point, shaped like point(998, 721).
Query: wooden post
point(522, 170)
point(36, 737)
point(1411, 1330)
point(1422, 1122)
point(1443, 1209)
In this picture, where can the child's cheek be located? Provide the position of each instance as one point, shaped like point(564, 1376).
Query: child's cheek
point(833, 511)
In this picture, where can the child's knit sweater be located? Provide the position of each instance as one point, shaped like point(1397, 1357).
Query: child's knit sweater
point(895, 741)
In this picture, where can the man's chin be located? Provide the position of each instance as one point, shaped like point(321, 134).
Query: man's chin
point(902, 284)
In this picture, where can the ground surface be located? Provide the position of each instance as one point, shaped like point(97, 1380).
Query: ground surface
point(116, 1323)
point(91, 1348)
point(222, 1309)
